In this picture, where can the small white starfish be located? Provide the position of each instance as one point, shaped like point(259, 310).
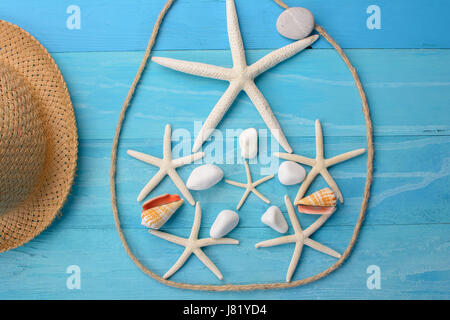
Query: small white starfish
point(241, 77)
point(167, 166)
point(250, 186)
point(193, 245)
point(300, 238)
point(319, 165)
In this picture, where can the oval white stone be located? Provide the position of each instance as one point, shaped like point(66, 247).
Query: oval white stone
point(275, 219)
point(290, 173)
point(248, 141)
point(226, 221)
point(204, 177)
point(295, 23)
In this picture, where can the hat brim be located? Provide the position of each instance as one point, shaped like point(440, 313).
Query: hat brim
point(24, 54)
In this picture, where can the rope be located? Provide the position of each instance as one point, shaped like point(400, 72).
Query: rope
point(261, 286)
point(281, 4)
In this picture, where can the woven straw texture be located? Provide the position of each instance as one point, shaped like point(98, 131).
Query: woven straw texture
point(38, 138)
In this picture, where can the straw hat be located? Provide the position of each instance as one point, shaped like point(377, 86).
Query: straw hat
point(38, 138)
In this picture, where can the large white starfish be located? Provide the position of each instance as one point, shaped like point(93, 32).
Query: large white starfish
point(241, 77)
point(300, 238)
point(193, 245)
point(250, 186)
point(167, 166)
point(319, 165)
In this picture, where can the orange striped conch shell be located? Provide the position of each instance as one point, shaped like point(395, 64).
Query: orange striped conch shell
point(319, 202)
point(157, 211)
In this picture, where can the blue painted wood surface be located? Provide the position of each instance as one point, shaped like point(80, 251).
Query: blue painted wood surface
point(406, 232)
point(193, 24)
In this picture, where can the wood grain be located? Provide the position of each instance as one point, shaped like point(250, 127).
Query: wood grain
point(403, 86)
point(412, 271)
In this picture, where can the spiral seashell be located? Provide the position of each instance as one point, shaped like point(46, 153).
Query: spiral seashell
point(157, 211)
point(321, 198)
point(319, 202)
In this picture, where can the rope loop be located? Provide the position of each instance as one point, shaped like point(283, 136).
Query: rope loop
point(242, 287)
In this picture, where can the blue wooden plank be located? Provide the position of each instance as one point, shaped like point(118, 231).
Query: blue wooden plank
point(409, 172)
point(192, 24)
point(406, 201)
point(407, 90)
point(412, 270)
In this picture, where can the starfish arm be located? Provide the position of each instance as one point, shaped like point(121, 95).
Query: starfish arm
point(217, 114)
point(167, 143)
point(145, 158)
point(247, 172)
point(187, 159)
point(211, 242)
point(181, 186)
point(237, 184)
point(305, 185)
point(294, 261)
point(244, 197)
point(280, 55)
point(343, 157)
point(257, 183)
point(295, 157)
point(316, 225)
point(180, 262)
point(197, 222)
point(319, 140)
point(259, 195)
point(235, 37)
point(292, 215)
point(276, 241)
point(266, 113)
point(207, 262)
point(320, 247)
point(329, 179)
point(169, 237)
point(195, 68)
point(151, 184)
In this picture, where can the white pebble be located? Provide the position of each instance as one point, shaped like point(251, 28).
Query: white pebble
point(290, 173)
point(226, 221)
point(295, 23)
point(275, 219)
point(248, 141)
point(204, 177)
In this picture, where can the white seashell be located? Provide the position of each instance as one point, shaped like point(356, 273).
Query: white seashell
point(275, 219)
point(226, 221)
point(248, 141)
point(295, 23)
point(204, 177)
point(290, 173)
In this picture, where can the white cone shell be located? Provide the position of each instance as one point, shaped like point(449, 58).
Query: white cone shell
point(275, 219)
point(248, 142)
point(204, 177)
point(226, 221)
